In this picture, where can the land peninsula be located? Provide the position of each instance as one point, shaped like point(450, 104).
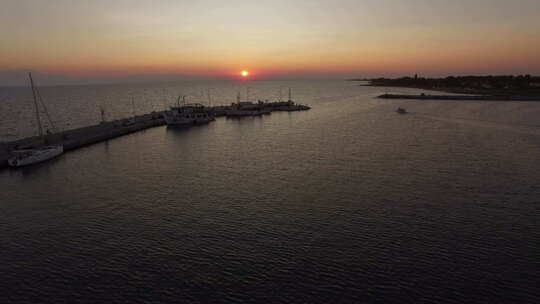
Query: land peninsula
point(522, 87)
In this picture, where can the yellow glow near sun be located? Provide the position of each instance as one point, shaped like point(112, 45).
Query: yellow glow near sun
point(245, 73)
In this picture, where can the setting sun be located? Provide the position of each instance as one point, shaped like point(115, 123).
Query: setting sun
point(244, 73)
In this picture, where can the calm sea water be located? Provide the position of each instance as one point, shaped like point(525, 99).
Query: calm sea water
point(346, 203)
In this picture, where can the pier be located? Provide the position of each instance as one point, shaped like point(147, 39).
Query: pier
point(80, 137)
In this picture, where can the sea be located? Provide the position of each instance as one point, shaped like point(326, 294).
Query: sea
point(348, 202)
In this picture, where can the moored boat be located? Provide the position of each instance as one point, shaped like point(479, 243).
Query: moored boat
point(187, 114)
point(25, 157)
point(32, 156)
point(288, 105)
point(246, 108)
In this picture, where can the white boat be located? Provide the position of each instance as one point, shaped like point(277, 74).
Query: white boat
point(288, 105)
point(32, 156)
point(246, 108)
point(35, 155)
point(187, 114)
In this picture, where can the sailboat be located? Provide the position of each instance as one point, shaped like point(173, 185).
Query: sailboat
point(35, 155)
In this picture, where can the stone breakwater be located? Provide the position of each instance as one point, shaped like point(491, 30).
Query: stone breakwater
point(76, 138)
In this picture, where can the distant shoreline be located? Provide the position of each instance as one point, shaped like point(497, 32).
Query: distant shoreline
point(458, 97)
point(511, 88)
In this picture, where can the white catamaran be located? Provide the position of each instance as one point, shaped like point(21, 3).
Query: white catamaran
point(31, 156)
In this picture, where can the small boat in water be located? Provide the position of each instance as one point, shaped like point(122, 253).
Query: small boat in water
point(187, 114)
point(401, 111)
point(25, 157)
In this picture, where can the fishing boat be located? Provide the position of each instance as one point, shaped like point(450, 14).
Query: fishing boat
point(25, 157)
point(187, 114)
point(288, 105)
point(246, 108)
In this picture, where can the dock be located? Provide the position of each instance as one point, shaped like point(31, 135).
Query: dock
point(80, 137)
point(84, 136)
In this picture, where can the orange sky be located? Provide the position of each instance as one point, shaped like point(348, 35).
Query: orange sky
point(271, 38)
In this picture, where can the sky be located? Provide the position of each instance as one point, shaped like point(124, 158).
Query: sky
point(271, 39)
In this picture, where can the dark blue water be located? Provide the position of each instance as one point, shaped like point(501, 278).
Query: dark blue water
point(346, 203)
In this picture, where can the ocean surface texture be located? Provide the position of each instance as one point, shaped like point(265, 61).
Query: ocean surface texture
point(349, 202)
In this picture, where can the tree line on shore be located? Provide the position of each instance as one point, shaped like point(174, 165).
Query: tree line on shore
point(503, 82)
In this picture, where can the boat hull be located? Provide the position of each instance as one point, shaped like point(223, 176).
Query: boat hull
point(34, 156)
point(186, 117)
point(243, 113)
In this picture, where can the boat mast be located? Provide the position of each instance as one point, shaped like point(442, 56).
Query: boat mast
point(40, 128)
point(45, 110)
point(290, 94)
point(209, 97)
point(102, 111)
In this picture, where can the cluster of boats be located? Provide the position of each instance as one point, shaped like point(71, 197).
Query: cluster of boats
point(194, 113)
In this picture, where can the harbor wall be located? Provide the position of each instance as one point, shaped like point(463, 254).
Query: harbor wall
point(76, 138)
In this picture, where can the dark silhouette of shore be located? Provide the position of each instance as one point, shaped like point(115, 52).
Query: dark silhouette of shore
point(522, 87)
